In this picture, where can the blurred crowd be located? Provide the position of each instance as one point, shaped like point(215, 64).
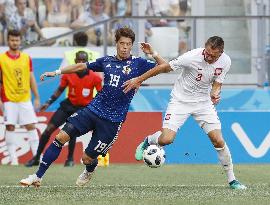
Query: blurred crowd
point(30, 16)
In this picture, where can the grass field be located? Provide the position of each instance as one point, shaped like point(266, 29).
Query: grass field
point(138, 184)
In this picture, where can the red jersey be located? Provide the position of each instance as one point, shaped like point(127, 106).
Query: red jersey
point(80, 90)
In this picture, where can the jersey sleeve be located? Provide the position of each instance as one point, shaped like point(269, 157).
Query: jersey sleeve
point(221, 77)
point(64, 81)
point(98, 83)
point(146, 65)
point(30, 64)
point(96, 65)
point(181, 61)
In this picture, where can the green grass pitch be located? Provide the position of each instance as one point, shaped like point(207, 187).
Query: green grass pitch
point(138, 184)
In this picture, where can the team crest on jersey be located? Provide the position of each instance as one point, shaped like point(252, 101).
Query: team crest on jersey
point(128, 62)
point(218, 71)
point(126, 69)
point(168, 116)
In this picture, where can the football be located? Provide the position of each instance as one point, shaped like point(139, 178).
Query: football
point(154, 156)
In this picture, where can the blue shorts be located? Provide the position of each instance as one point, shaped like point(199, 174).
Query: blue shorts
point(104, 134)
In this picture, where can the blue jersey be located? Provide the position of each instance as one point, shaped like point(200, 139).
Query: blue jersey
point(111, 102)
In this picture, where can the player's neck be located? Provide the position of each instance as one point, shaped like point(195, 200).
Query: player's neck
point(120, 58)
point(14, 52)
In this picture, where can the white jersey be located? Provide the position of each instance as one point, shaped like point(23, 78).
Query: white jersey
point(195, 81)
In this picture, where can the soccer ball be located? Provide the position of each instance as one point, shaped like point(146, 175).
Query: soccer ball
point(154, 156)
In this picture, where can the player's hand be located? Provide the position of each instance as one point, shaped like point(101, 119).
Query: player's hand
point(131, 84)
point(146, 48)
point(36, 103)
point(43, 107)
point(47, 74)
point(215, 99)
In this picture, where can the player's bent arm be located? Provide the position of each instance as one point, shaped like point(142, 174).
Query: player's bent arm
point(55, 95)
point(163, 68)
point(136, 82)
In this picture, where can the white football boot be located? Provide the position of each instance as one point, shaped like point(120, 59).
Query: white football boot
point(31, 180)
point(84, 178)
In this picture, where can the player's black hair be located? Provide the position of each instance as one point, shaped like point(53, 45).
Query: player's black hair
point(82, 53)
point(14, 32)
point(124, 32)
point(80, 39)
point(215, 42)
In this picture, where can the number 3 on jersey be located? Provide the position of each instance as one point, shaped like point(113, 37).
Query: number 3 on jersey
point(199, 77)
point(114, 80)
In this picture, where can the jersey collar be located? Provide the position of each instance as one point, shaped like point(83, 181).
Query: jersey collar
point(13, 57)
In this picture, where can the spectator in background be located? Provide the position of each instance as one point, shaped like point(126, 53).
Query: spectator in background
point(121, 7)
point(93, 15)
point(58, 13)
point(184, 26)
point(24, 20)
point(162, 8)
point(2, 21)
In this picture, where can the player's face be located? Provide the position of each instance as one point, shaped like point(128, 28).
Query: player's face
point(123, 47)
point(211, 55)
point(14, 42)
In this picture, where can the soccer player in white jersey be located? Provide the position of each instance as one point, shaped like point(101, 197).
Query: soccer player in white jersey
point(195, 93)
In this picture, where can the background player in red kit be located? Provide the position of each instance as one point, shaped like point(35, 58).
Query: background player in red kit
point(80, 92)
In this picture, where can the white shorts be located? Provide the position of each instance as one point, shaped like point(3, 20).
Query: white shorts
point(21, 113)
point(203, 112)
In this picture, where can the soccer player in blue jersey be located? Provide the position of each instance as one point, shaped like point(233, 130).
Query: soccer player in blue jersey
point(105, 114)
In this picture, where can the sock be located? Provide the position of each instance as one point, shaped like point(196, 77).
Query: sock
point(91, 167)
point(153, 139)
point(225, 159)
point(49, 157)
point(11, 145)
point(33, 141)
point(71, 148)
point(42, 143)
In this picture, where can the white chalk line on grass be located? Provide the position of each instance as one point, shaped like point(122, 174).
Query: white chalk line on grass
point(133, 186)
point(117, 186)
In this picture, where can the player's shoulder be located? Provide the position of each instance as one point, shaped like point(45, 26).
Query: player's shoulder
point(194, 53)
point(224, 58)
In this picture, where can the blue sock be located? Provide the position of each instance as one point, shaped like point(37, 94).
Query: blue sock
point(49, 157)
point(91, 167)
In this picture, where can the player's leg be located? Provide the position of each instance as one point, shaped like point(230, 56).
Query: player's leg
point(58, 118)
point(176, 115)
point(27, 109)
point(51, 154)
point(103, 138)
point(70, 110)
point(11, 114)
point(210, 123)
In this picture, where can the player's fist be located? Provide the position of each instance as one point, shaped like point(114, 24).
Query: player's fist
point(146, 48)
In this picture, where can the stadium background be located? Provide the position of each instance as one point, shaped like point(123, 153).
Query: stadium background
point(245, 104)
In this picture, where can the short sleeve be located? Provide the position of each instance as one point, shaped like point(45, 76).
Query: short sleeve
point(181, 61)
point(221, 77)
point(30, 64)
point(96, 65)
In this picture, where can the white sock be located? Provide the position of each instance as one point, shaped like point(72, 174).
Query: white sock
point(11, 145)
point(153, 139)
point(225, 159)
point(33, 140)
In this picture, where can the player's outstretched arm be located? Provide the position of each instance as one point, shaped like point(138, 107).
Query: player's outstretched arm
point(135, 83)
point(68, 69)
